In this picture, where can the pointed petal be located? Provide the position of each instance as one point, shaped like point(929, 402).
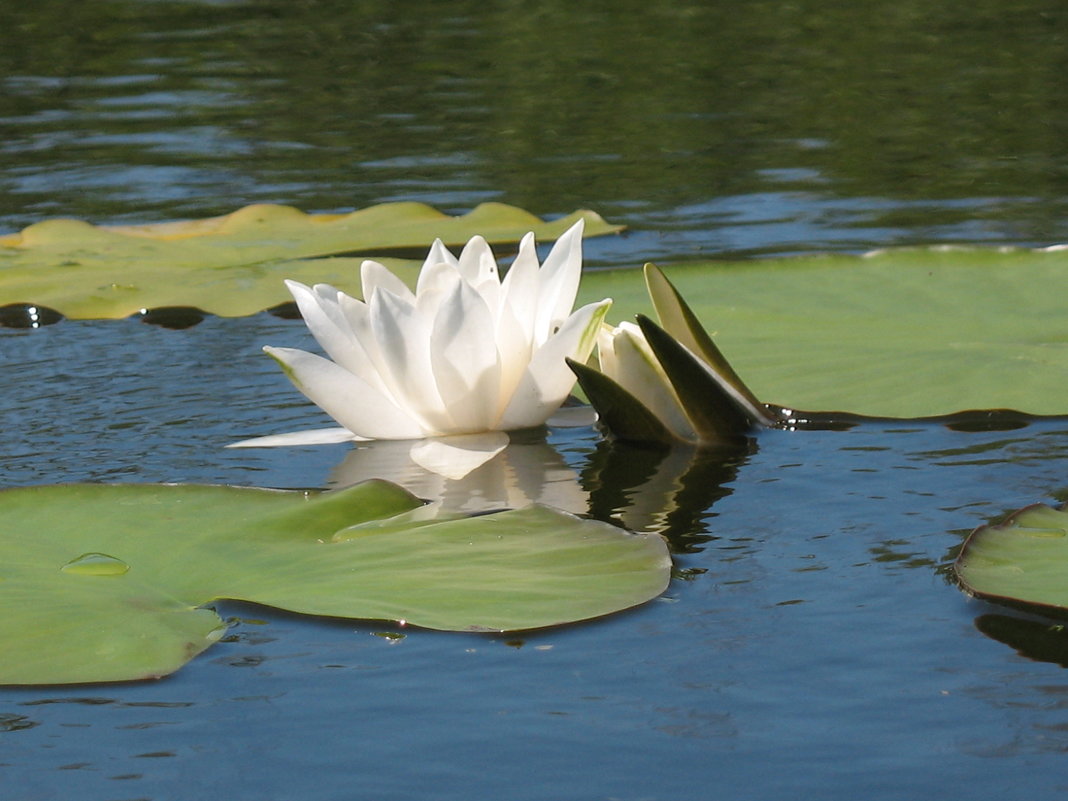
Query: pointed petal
point(352, 402)
point(324, 319)
point(465, 360)
point(477, 263)
point(619, 411)
point(479, 269)
point(520, 284)
point(315, 436)
point(403, 337)
point(365, 357)
point(456, 456)
point(439, 254)
point(559, 280)
point(717, 413)
point(516, 314)
point(440, 277)
point(519, 291)
point(637, 371)
point(374, 275)
point(547, 379)
point(677, 319)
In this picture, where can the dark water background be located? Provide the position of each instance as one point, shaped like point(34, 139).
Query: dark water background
point(812, 645)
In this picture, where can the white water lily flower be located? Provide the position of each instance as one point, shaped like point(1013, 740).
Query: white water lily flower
point(465, 353)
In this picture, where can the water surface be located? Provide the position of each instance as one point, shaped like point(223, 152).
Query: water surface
point(811, 645)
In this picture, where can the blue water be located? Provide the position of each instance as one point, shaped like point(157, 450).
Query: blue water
point(812, 644)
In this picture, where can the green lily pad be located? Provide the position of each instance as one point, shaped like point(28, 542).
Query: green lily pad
point(898, 333)
point(234, 265)
point(1021, 561)
point(107, 582)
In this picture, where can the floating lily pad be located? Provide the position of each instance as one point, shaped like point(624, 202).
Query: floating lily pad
point(1022, 561)
point(898, 333)
point(234, 265)
point(107, 582)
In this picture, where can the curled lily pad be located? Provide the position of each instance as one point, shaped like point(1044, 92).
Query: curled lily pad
point(234, 265)
point(1021, 561)
point(108, 582)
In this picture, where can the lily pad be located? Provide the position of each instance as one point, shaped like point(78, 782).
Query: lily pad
point(107, 582)
point(234, 265)
point(897, 333)
point(1022, 561)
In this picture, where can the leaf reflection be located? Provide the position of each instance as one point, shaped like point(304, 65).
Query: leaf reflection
point(666, 490)
point(1041, 641)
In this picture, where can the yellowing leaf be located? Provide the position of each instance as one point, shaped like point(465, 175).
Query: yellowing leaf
point(234, 265)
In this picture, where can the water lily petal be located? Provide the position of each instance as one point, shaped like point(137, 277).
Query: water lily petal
point(403, 337)
point(324, 319)
point(479, 269)
point(352, 402)
point(315, 436)
point(439, 254)
point(548, 379)
point(476, 263)
point(559, 281)
point(439, 277)
point(516, 315)
point(455, 456)
point(365, 358)
point(464, 359)
point(375, 275)
point(638, 371)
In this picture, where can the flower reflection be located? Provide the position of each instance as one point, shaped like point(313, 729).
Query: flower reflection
point(527, 470)
point(669, 491)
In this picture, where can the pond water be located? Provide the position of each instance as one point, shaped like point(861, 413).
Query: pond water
point(811, 644)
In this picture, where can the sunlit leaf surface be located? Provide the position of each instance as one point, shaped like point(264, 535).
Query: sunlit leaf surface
point(234, 265)
point(899, 333)
point(1023, 560)
point(105, 582)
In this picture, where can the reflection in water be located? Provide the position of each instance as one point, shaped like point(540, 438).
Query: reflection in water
point(27, 315)
point(1042, 641)
point(1032, 446)
point(663, 490)
point(666, 490)
point(769, 127)
point(174, 317)
point(529, 470)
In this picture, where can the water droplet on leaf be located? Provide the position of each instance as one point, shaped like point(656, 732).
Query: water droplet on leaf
point(96, 564)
